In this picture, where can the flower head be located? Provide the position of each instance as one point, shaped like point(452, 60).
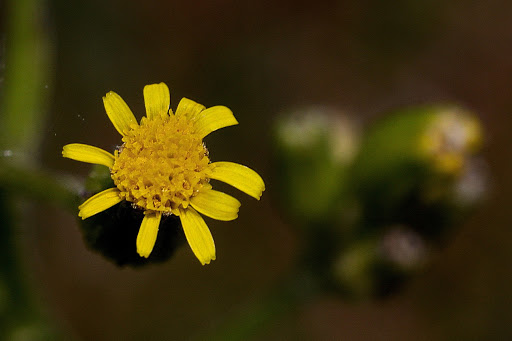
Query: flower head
point(163, 168)
point(451, 136)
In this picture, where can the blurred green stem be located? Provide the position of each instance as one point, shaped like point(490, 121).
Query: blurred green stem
point(27, 64)
point(24, 94)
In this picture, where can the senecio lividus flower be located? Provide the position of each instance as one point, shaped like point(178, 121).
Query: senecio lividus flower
point(163, 168)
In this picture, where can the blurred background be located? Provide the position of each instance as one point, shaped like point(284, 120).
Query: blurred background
point(261, 60)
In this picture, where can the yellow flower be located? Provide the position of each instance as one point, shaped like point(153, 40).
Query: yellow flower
point(163, 168)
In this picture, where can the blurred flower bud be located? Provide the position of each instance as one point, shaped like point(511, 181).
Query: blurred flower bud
point(375, 206)
point(314, 146)
point(380, 265)
point(471, 186)
point(113, 232)
point(410, 164)
point(403, 249)
point(354, 270)
point(450, 137)
point(415, 177)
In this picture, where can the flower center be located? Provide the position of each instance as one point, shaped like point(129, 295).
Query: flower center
point(162, 164)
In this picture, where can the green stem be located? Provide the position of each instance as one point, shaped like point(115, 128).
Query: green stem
point(22, 116)
point(26, 79)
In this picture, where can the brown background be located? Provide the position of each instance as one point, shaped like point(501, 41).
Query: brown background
point(259, 60)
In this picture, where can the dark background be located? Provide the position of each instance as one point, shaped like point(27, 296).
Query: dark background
point(259, 60)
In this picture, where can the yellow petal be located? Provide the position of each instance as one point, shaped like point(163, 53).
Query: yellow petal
point(188, 108)
point(99, 202)
point(214, 118)
point(147, 233)
point(89, 154)
point(198, 235)
point(157, 99)
point(216, 205)
point(238, 176)
point(119, 113)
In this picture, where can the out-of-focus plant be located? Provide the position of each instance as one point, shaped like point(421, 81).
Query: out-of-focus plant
point(26, 78)
point(314, 148)
point(413, 159)
point(415, 178)
point(372, 206)
point(374, 217)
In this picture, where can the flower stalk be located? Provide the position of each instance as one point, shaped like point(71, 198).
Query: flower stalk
point(22, 107)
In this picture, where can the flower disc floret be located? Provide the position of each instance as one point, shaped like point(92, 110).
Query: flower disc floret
point(162, 164)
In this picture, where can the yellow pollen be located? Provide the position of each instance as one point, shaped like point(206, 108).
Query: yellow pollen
point(161, 164)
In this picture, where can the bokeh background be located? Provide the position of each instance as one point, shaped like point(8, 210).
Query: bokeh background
point(261, 59)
